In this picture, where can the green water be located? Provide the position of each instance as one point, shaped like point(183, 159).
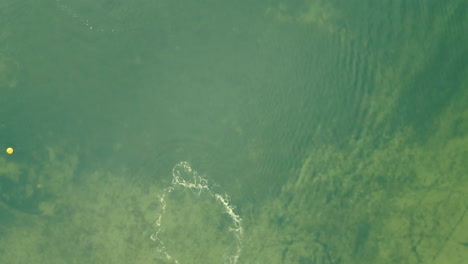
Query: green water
point(316, 131)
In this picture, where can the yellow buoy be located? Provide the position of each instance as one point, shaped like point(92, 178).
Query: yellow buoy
point(10, 150)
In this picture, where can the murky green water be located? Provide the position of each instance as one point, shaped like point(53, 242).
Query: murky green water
point(314, 131)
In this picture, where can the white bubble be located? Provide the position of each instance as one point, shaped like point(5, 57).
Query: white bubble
point(109, 16)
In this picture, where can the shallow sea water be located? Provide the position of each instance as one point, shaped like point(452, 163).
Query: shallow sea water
point(181, 132)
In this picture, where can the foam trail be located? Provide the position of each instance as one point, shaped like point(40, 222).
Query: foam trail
point(184, 178)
